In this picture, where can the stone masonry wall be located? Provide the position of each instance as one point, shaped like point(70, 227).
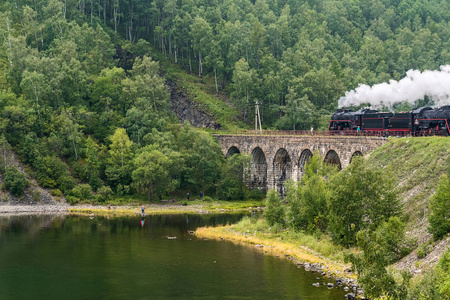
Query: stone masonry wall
point(344, 146)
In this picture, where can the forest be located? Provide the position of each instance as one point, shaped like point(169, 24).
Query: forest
point(87, 109)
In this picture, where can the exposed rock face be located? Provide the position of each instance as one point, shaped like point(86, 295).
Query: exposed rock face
point(187, 110)
point(32, 195)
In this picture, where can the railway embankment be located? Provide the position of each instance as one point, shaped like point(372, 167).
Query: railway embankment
point(417, 164)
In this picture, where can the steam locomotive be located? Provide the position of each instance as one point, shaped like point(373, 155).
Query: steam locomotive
point(418, 122)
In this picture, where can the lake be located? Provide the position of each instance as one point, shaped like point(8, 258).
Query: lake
point(73, 257)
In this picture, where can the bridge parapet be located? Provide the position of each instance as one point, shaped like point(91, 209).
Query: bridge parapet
point(276, 158)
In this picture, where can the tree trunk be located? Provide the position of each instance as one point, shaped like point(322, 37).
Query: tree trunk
point(150, 194)
point(75, 149)
point(215, 79)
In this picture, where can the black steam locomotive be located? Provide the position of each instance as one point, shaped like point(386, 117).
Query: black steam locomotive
point(418, 122)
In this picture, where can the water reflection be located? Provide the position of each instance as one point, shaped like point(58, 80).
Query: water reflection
point(73, 257)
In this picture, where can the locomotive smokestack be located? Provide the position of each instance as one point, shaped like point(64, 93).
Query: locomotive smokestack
point(415, 86)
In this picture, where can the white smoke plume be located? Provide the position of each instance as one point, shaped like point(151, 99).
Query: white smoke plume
point(416, 85)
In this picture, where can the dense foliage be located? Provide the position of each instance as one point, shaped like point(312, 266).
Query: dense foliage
point(90, 113)
point(15, 181)
point(381, 246)
point(439, 214)
point(361, 196)
point(356, 207)
point(287, 54)
point(434, 284)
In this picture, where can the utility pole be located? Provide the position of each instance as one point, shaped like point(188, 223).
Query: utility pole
point(257, 118)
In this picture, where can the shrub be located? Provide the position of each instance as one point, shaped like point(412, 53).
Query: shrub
point(52, 172)
point(72, 200)
point(104, 193)
point(423, 250)
point(256, 194)
point(361, 196)
point(439, 214)
point(56, 192)
point(207, 198)
point(274, 211)
point(15, 181)
point(82, 192)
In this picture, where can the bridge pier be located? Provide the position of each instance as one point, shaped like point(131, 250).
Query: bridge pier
point(277, 158)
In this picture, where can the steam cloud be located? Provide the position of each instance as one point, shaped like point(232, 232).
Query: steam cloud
point(416, 85)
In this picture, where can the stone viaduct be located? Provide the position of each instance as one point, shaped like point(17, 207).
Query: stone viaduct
point(278, 158)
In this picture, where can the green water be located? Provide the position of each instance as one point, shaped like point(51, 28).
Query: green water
point(69, 257)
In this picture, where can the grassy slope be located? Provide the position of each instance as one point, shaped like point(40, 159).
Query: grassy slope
point(199, 90)
point(417, 164)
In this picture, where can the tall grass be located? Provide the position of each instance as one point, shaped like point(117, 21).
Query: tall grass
point(319, 243)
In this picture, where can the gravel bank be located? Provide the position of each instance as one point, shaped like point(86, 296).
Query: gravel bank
point(32, 209)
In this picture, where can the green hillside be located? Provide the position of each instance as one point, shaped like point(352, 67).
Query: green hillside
point(417, 165)
point(84, 85)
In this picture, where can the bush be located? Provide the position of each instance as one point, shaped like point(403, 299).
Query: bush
point(439, 214)
point(104, 193)
point(52, 172)
point(380, 247)
point(82, 192)
point(423, 250)
point(72, 200)
point(207, 198)
point(361, 196)
point(256, 194)
point(15, 181)
point(274, 211)
point(56, 192)
point(434, 284)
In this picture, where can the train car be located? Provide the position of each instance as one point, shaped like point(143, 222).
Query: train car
point(375, 121)
point(401, 122)
point(346, 119)
point(429, 121)
point(418, 122)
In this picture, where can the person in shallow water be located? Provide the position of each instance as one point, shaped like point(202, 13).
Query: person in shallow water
point(143, 209)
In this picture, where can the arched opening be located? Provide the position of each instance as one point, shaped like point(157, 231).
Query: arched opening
point(332, 158)
point(259, 169)
point(302, 161)
point(356, 153)
point(282, 170)
point(232, 151)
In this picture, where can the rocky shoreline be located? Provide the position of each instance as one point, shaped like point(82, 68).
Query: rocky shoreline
point(6, 209)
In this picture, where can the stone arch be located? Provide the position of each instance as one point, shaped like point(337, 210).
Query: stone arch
point(305, 156)
point(332, 158)
point(233, 150)
point(356, 153)
point(282, 170)
point(259, 169)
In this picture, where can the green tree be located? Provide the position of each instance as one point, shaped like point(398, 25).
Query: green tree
point(120, 158)
point(152, 172)
point(361, 196)
point(200, 33)
point(53, 173)
point(15, 181)
point(232, 185)
point(243, 78)
point(380, 247)
point(274, 211)
point(439, 212)
point(300, 113)
point(309, 198)
point(6, 155)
